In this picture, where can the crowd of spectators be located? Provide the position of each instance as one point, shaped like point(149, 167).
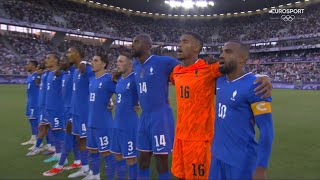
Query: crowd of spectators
point(80, 16)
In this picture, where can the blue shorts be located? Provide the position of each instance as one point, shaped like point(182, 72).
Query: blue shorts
point(55, 120)
point(124, 143)
point(99, 139)
point(43, 118)
point(79, 126)
point(156, 131)
point(31, 113)
point(220, 170)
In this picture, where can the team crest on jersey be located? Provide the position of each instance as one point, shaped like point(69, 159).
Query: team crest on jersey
point(63, 83)
point(100, 85)
point(79, 76)
point(151, 71)
point(128, 86)
point(234, 95)
point(142, 73)
point(196, 72)
point(54, 78)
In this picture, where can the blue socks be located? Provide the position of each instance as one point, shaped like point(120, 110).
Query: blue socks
point(76, 152)
point(84, 157)
point(144, 173)
point(50, 137)
point(110, 166)
point(132, 171)
point(95, 163)
point(34, 126)
point(67, 146)
point(164, 176)
point(58, 134)
point(39, 141)
point(121, 169)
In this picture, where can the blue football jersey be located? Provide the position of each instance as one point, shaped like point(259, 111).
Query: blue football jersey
point(101, 90)
point(54, 93)
point(66, 85)
point(80, 91)
point(234, 134)
point(43, 90)
point(127, 98)
point(32, 91)
point(152, 81)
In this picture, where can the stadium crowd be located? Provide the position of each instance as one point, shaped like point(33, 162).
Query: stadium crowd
point(78, 16)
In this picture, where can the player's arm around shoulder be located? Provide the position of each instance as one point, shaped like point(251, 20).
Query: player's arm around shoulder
point(261, 108)
point(214, 69)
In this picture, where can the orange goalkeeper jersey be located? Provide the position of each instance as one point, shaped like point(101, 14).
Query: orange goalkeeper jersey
point(195, 90)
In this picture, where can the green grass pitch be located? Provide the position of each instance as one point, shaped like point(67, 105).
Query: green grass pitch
point(295, 155)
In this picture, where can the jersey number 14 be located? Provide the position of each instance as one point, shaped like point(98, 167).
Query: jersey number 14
point(143, 87)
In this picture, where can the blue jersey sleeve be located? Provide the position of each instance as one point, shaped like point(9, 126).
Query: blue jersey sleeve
point(89, 71)
point(261, 108)
point(171, 63)
point(111, 85)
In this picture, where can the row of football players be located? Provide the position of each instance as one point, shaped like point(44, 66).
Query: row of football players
point(154, 135)
point(76, 99)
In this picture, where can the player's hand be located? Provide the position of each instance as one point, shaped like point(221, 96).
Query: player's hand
point(260, 174)
point(38, 80)
point(82, 67)
point(264, 88)
point(115, 76)
point(57, 73)
point(137, 108)
point(110, 107)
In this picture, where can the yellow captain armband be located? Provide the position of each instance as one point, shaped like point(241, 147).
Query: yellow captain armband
point(262, 107)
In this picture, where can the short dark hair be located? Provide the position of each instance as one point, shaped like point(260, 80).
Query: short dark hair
point(55, 55)
point(80, 50)
point(103, 57)
point(126, 54)
point(243, 47)
point(35, 63)
point(197, 37)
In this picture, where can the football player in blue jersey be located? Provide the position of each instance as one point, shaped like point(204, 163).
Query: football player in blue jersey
point(32, 101)
point(70, 142)
point(80, 104)
point(235, 152)
point(123, 143)
point(54, 104)
point(156, 124)
point(43, 122)
point(100, 122)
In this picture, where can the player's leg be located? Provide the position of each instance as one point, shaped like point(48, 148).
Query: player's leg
point(31, 114)
point(57, 125)
point(144, 146)
point(43, 131)
point(94, 155)
point(67, 146)
point(79, 129)
point(70, 144)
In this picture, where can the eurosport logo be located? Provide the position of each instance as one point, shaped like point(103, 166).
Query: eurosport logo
point(286, 14)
